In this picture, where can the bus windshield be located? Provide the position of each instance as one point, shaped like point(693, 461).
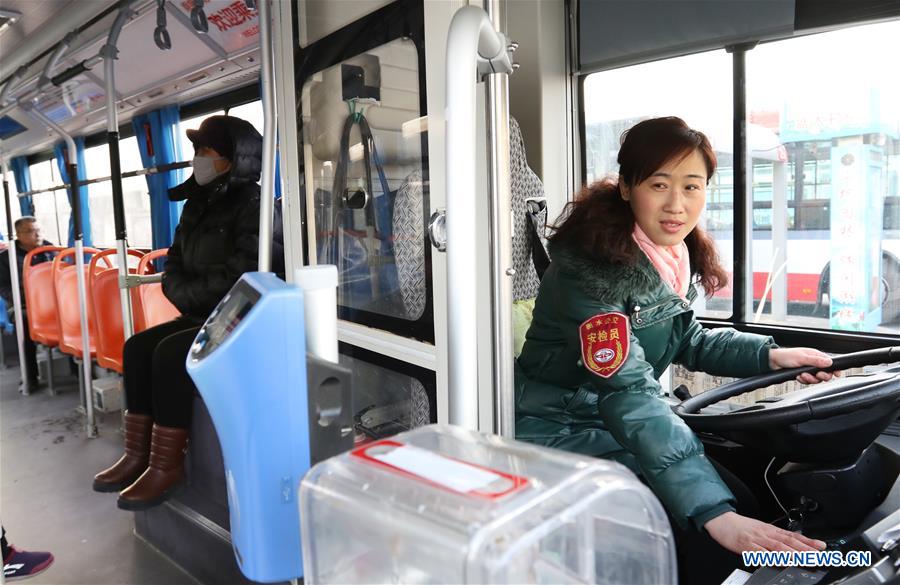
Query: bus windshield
point(823, 143)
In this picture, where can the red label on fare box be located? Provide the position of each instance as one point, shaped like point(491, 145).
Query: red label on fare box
point(439, 470)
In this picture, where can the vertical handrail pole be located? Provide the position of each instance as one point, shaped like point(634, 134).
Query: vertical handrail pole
point(267, 179)
point(90, 425)
point(502, 271)
point(14, 278)
point(289, 147)
point(109, 52)
point(471, 42)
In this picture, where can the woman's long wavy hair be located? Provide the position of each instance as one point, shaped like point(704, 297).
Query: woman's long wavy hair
point(599, 223)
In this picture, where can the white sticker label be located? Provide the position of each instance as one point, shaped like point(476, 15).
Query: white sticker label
point(455, 475)
point(737, 577)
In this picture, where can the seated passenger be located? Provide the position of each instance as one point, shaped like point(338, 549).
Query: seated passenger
point(216, 241)
point(614, 311)
point(28, 237)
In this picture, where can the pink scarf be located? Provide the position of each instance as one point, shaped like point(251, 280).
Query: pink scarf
point(672, 262)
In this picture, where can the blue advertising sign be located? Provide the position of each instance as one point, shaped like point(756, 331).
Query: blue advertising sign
point(857, 202)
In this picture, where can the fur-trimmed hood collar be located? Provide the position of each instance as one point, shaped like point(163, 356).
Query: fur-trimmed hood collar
point(606, 280)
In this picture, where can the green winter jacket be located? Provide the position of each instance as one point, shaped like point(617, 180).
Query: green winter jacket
point(561, 402)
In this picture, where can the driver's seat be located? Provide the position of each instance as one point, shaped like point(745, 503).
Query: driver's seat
point(529, 210)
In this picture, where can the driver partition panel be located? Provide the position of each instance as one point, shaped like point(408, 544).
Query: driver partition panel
point(360, 87)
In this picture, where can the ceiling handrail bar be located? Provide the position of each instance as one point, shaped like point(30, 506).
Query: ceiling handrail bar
point(138, 173)
point(38, 43)
point(46, 75)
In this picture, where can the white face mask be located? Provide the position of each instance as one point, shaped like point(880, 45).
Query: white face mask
point(205, 169)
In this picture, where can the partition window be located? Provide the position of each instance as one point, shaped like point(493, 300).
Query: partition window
point(364, 131)
point(389, 396)
point(367, 188)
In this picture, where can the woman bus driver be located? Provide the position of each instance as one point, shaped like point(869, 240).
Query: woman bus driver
point(613, 312)
point(216, 241)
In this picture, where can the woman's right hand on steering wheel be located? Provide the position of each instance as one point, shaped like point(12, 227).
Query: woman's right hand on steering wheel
point(795, 357)
point(739, 533)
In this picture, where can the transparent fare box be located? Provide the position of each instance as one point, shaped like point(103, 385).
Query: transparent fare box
point(441, 504)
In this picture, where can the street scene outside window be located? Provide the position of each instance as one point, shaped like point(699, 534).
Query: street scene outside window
point(823, 142)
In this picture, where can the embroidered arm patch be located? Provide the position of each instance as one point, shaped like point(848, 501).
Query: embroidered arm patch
point(604, 343)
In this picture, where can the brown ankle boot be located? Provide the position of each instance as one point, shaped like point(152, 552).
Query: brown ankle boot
point(164, 474)
point(137, 455)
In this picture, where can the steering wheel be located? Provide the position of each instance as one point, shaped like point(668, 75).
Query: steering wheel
point(829, 421)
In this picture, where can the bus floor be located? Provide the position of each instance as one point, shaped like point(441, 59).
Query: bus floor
point(47, 465)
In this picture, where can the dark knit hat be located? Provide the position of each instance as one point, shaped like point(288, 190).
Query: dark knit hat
point(213, 133)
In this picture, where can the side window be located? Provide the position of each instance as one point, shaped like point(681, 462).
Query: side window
point(13, 205)
point(51, 208)
point(192, 124)
point(103, 230)
point(252, 112)
point(134, 194)
point(695, 88)
point(826, 237)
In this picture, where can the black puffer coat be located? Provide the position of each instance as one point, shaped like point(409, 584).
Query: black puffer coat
point(217, 239)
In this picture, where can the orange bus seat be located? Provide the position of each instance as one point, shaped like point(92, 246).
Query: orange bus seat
point(103, 292)
point(65, 279)
point(154, 304)
point(40, 298)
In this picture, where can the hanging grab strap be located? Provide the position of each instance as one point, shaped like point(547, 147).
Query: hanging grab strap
point(160, 34)
point(370, 156)
point(198, 17)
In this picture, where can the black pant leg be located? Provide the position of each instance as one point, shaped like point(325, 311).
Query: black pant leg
point(31, 367)
point(137, 363)
point(4, 546)
point(173, 389)
point(747, 504)
point(702, 560)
